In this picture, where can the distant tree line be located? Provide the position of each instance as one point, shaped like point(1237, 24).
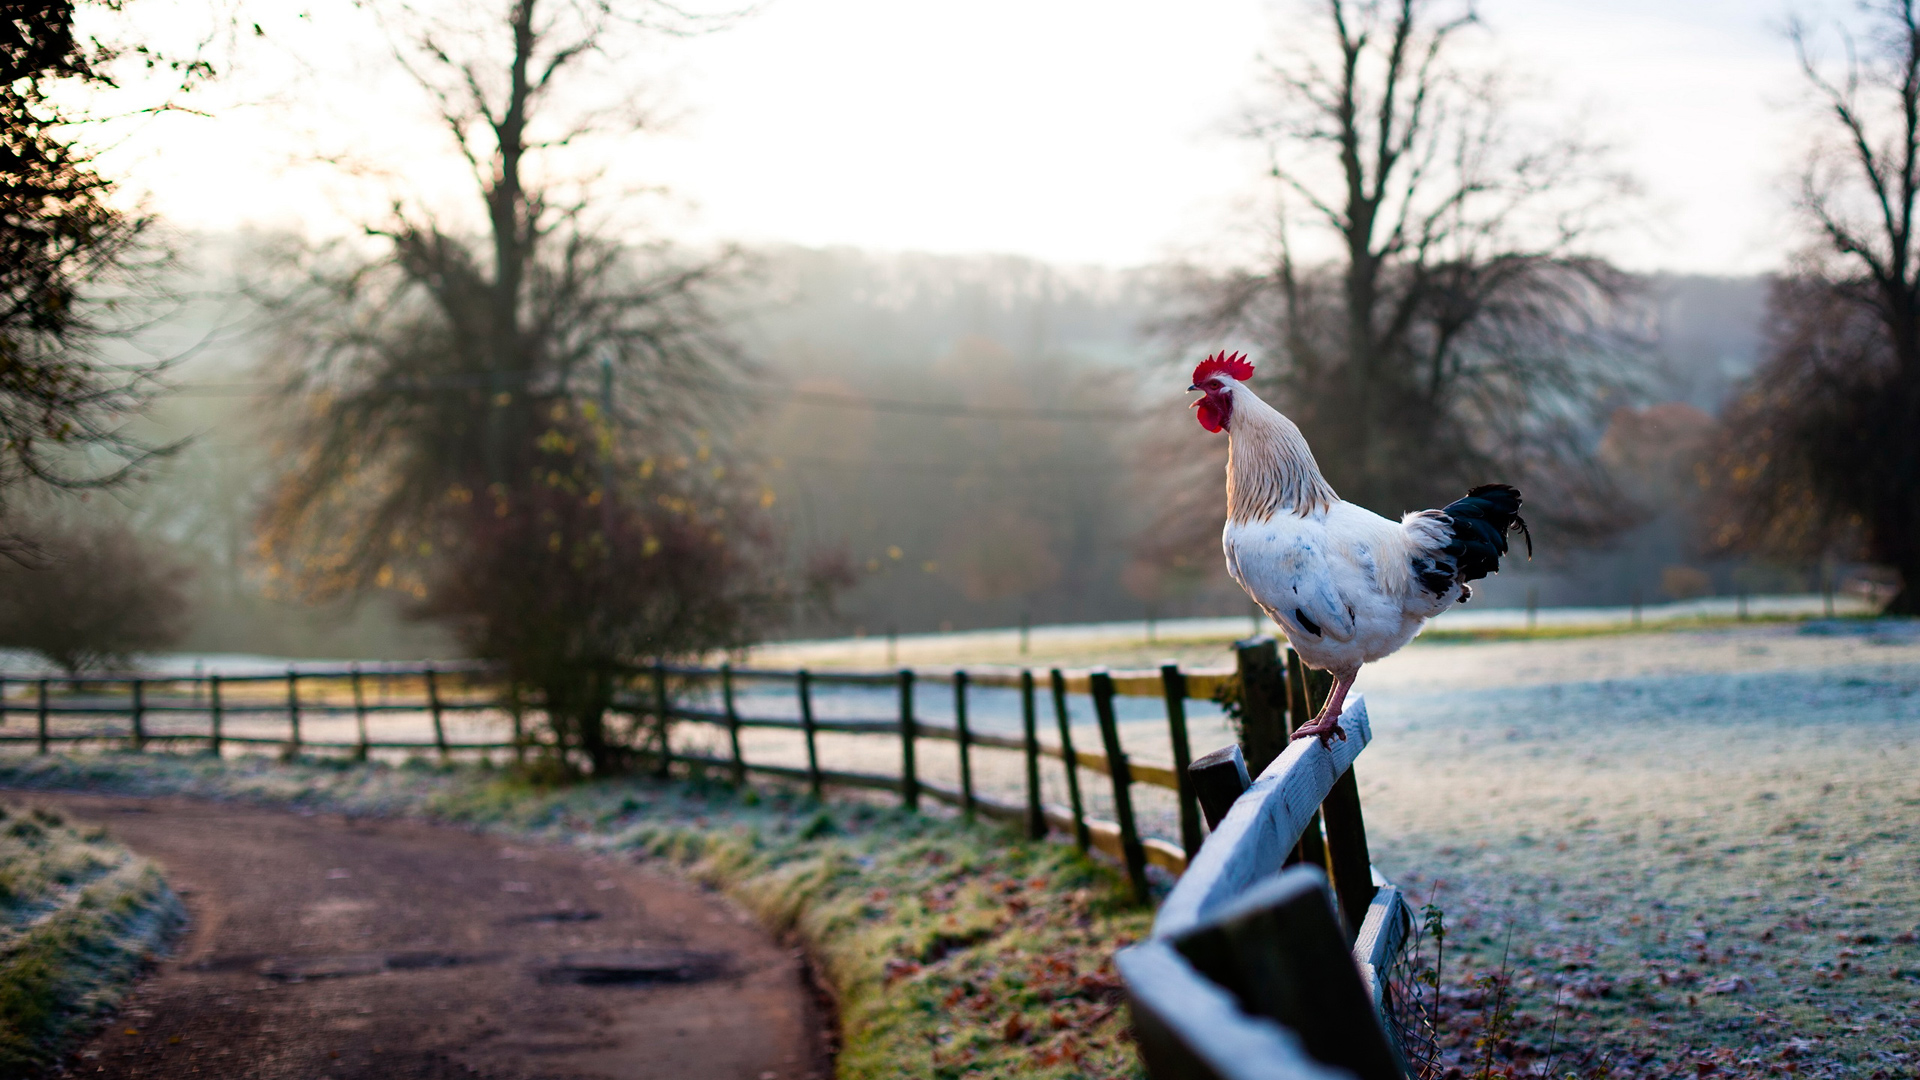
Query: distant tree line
point(1820, 455)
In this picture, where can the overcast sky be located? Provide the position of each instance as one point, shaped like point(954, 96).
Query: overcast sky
point(1087, 131)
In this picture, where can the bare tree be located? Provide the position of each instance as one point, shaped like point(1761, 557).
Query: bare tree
point(519, 427)
point(73, 261)
point(1431, 315)
point(1820, 456)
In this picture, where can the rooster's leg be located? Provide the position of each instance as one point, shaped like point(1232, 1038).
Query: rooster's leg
point(1327, 724)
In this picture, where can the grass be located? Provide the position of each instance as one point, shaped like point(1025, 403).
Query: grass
point(1707, 875)
point(79, 917)
point(953, 950)
point(1588, 630)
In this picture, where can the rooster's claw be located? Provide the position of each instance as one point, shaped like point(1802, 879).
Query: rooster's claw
point(1326, 731)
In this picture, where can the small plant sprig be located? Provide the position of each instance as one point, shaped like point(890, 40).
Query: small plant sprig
point(1433, 922)
point(1499, 1019)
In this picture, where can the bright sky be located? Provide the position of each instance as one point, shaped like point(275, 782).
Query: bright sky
point(1090, 131)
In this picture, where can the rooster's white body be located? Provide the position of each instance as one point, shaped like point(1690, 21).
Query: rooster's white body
point(1344, 584)
point(1345, 572)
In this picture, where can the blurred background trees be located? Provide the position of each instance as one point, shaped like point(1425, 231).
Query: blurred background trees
point(1820, 454)
point(521, 426)
point(76, 264)
point(90, 595)
point(511, 415)
point(1431, 312)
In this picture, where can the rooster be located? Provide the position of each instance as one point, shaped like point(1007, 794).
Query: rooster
point(1346, 585)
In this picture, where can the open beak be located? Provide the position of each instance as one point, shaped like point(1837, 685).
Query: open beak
point(1195, 386)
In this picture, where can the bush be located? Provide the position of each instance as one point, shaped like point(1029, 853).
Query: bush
point(90, 596)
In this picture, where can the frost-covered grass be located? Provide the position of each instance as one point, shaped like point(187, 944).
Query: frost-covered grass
point(1714, 873)
point(79, 916)
point(953, 950)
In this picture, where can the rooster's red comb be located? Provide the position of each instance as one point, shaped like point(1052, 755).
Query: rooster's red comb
point(1236, 367)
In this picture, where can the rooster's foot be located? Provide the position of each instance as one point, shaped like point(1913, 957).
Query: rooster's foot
point(1327, 728)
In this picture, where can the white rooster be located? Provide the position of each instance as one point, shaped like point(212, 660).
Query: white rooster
point(1346, 585)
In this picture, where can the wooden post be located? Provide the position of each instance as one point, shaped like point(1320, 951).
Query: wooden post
point(1348, 860)
point(1278, 950)
point(138, 714)
point(733, 725)
point(43, 716)
point(293, 713)
point(804, 684)
point(1219, 778)
point(1312, 848)
point(517, 710)
point(1101, 684)
point(1173, 686)
point(218, 713)
point(359, 712)
point(3, 700)
point(909, 780)
point(1029, 723)
point(661, 708)
point(1080, 834)
point(962, 736)
point(1345, 853)
point(1263, 697)
point(433, 704)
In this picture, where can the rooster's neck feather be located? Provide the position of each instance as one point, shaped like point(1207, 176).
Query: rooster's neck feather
point(1270, 468)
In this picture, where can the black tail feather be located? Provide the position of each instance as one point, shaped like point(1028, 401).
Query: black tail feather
point(1481, 522)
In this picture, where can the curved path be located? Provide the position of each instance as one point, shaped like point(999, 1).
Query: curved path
point(322, 946)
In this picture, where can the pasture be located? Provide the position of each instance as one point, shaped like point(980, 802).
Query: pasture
point(1699, 848)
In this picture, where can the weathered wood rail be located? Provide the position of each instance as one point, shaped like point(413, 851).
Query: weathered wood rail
point(1270, 957)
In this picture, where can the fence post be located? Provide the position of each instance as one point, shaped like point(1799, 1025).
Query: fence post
point(138, 714)
point(733, 725)
point(1135, 856)
point(1173, 686)
point(359, 712)
point(804, 684)
point(1029, 722)
point(3, 700)
point(661, 707)
point(1263, 697)
point(909, 779)
point(961, 733)
point(213, 703)
point(1303, 704)
point(43, 716)
point(517, 710)
point(293, 713)
point(433, 705)
point(1348, 860)
point(1080, 834)
point(1219, 779)
point(1346, 857)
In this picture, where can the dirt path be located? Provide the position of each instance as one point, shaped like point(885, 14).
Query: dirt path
point(327, 947)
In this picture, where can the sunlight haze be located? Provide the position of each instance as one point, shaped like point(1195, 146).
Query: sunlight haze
point(1071, 131)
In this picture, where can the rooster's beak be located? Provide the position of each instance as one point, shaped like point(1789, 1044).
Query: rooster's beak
point(1195, 386)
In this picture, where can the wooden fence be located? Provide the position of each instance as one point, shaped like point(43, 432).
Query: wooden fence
point(142, 711)
point(1270, 958)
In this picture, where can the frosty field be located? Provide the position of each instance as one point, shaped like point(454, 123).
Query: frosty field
point(1700, 848)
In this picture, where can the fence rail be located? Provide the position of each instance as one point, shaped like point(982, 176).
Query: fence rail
point(1270, 957)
